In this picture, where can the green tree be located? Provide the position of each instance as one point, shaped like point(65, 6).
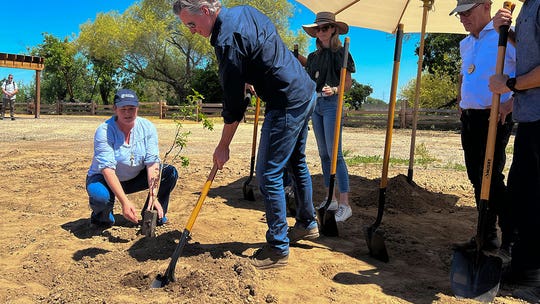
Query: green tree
point(98, 41)
point(151, 47)
point(441, 54)
point(206, 81)
point(358, 94)
point(436, 91)
point(134, 49)
point(63, 67)
point(375, 102)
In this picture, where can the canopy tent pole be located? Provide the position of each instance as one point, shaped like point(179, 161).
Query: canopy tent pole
point(427, 6)
point(37, 99)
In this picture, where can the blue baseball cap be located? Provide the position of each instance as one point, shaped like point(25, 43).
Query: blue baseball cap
point(126, 97)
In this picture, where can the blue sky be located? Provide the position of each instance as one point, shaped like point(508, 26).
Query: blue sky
point(373, 51)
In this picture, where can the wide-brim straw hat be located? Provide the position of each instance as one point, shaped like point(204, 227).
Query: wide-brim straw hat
point(324, 18)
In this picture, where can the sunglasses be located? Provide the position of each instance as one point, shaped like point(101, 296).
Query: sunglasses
point(324, 28)
point(468, 12)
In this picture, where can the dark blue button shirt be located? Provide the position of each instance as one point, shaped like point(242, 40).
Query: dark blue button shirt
point(249, 49)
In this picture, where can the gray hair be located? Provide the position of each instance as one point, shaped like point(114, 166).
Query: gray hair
point(194, 6)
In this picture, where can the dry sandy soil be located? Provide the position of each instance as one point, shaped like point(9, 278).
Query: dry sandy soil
point(49, 253)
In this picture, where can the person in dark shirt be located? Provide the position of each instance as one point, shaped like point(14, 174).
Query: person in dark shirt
point(324, 66)
point(250, 50)
point(524, 175)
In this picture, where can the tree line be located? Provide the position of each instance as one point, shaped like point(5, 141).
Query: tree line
point(147, 49)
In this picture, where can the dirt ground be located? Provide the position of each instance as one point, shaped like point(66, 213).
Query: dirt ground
point(49, 254)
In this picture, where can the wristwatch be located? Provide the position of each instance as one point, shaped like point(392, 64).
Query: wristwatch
point(511, 84)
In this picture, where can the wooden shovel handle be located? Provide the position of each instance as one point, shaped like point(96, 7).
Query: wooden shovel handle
point(509, 5)
point(202, 196)
point(153, 190)
point(494, 113)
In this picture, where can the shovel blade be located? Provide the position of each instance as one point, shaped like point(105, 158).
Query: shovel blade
point(475, 275)
point(327, 220)
point(160, 281)
point(149, 223)
point(249, 195)
point(375, 244)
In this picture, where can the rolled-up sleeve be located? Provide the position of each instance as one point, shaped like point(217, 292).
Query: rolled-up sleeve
point(103, 150)
point(151, 144)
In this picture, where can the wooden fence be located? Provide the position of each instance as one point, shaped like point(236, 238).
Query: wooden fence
point(427, 118)
point(159, 109)
point(436, 119)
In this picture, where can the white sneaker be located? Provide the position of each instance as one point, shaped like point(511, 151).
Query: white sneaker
point(343, 213)
point(333, 205)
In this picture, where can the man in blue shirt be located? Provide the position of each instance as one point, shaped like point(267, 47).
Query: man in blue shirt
point(478, 56)
point(249, 50)
point(126, 160)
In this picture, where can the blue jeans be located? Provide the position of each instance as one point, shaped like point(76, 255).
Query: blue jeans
point(282, 147)
point(324, 123)
point(101, 197)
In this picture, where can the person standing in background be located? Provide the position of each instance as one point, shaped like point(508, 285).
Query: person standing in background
point(324, 67)
point(10, 89)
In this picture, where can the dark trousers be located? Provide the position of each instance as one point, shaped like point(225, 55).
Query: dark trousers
point(474, 131)
point(524, 189)
point(11, 103)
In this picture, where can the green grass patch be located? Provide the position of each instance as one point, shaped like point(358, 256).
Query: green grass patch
point(373, 159)
point(454, 166)
point(422, 157)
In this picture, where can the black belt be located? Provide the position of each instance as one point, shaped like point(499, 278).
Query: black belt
point(475, 112)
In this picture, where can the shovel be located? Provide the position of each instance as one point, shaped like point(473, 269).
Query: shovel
point(327, 218)
point(374, 238)
point(247, 188)
point(168, 276)
point(476, 274)
point(150, 215)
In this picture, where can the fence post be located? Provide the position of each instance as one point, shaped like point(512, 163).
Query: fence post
point(29, 103)
point(161, 111)
point(403, 115)
point(92, 108)
point(58, 107)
